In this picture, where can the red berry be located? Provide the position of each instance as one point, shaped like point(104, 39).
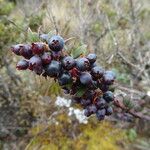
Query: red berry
point(38, 48)
point(22, 65)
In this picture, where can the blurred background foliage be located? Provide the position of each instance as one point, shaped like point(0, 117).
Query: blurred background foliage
point(117, 31)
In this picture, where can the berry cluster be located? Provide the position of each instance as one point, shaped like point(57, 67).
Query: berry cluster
point(80, 77)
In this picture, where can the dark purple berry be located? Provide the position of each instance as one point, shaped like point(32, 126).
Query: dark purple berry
point(108, 96)
point(109, 77)
point(91, 57)
point(53, 69)
point(109, 111)
point(44, 37)
point(85, 78)
point(93, 65)
point(22, 65)
point(82, 64)
point(25, 51)
point(85, 102)
point(56, 43)
point(68, 62)
point(101, 114)
point(35, 63)
point(64, 79)
point(92, 109)
point(100, 103)
point(97, 72)
point(87, 112)
point(16, 48)
point(38, 48)
point(46, 58)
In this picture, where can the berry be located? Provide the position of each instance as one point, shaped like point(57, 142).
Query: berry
point(35, 62)
point(87, 112)
point(108, 96)
point(85, 78)
point(92, 109)
point(109, 111)
point(22, 65)
point(68, 62)
point(100, 103)
point(82, 64)
point(53, 69)
point(91, 57)
point(93, 65)
point(56, 43)
point(16, 49)
point(81, 77)
point(97, 72)
point(46, 58)
point(64, 79)
point(85, 102)
point(44, 37)
point(109, 77)
point(101, 114)
point(38, 48)
point(25, 51)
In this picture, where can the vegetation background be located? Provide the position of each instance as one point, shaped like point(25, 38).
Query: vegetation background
point(118, 32)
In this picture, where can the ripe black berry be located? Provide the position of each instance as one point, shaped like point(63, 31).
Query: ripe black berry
point(44, 37)
point(108, 96)
point(109, 111)
point(100, 103)
point(85, 102)
point(85, 78)
point(92, 108)
point(46, 58)
point(97, 72)
point(82, 64)
point(91, 57)
point(56, 43)
point(53, 69)
point(35, 62)
point(68, 62)
point(16, 48)
point(101, 114)
point(87, 112)
point(108, 77)
point(22, 65)
point(64, 79)
point(25, 51)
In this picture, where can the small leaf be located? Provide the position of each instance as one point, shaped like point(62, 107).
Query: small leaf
point(81, 50)
point(80, 91)
point(128, 104)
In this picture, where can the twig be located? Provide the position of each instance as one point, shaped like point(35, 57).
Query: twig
point(69, 39)
point(133, 113)
point(52, 18)
point(127, 61)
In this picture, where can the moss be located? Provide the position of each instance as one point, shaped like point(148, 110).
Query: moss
point(93, 136)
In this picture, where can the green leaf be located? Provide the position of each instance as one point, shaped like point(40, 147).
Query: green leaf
point(81, 50)
point(32, 36)
point(128, 104)
point(80, 91)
